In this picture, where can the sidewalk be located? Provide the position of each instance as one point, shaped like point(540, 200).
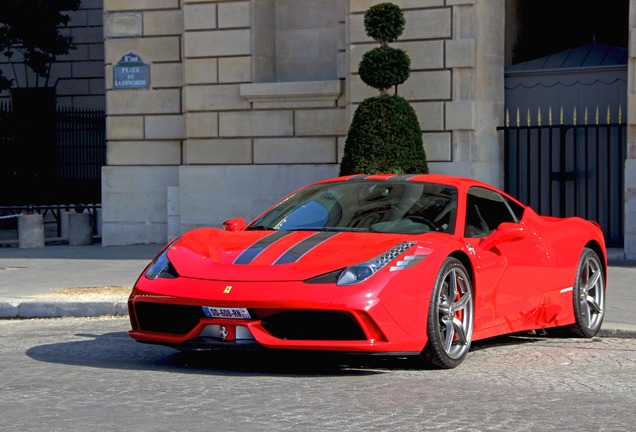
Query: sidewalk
point(60, 281)
point(63, 281)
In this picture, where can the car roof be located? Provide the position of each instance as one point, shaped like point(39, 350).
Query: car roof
point(459, 182)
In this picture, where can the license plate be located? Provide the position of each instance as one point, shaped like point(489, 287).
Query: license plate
point(223, 312)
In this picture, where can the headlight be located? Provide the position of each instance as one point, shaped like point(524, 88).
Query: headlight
point(161, 267)
point(357, 273)
point(360, 272)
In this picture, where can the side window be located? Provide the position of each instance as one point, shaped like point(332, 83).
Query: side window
point(485, 211)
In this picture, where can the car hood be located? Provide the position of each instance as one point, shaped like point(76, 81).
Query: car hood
point(276, 255)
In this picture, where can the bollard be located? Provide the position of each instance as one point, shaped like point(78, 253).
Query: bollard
point(64, 229)
point(80, 229)
point(99, 221)
point(30, 231)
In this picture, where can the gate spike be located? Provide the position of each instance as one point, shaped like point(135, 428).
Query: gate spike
point(609, 118)
point(561, 115)
point(528, 117)
point(574, 116)
point(539, 116)
point(518, 118)
point(585, 116)
point(507, 118)
point(550, 115)
point(597, 115)
point(620, 114)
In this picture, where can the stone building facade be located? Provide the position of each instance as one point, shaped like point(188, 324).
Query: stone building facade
point(250, 99)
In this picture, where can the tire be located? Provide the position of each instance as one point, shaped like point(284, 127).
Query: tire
point(450, 322)
point(588, 296)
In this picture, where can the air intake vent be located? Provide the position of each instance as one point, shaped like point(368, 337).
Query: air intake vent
point(313, 325)
point(162, 318)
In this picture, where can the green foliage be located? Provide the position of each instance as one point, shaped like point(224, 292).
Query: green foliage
point(30, 29)
point(384, 67)
point(384, 22)
point(384, 137)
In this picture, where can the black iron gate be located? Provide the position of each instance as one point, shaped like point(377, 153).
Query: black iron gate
point(569, 169)
point(60, 168)
point(80, 154)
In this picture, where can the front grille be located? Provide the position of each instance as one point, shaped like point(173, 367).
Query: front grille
point(165, 318)
point(296, 325)
point(313, 325)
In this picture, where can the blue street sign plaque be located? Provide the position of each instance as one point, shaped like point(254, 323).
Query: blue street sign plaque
point(131, 73)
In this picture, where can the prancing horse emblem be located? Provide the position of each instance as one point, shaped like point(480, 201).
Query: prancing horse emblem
point(227, 289)
point(223, 332)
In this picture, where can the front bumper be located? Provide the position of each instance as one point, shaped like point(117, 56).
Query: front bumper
point(284, 315)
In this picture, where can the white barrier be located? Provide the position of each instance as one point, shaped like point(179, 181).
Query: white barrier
point(30, 231)
point(80, 229)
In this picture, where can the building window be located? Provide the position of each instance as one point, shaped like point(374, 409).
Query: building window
point(296, 40)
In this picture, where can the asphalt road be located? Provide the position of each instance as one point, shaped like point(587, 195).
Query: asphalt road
point(80, 374)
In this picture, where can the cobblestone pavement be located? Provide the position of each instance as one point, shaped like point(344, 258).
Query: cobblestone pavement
point(86, 374)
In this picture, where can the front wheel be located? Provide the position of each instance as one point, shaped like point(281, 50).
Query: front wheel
point(450, 317)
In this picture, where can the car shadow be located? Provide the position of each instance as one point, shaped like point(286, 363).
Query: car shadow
point(510, 339)
point(116, 350)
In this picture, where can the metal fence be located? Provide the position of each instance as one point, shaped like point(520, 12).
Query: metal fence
point(72, 173)
point(571, 168)
point(6, 124)
point(80, 143)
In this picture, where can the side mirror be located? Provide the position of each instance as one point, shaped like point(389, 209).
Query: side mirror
point(506, 232)
point(234, 224)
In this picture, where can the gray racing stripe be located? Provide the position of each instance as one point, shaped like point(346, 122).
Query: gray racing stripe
point(402, 177)
point(296, 252)
point(248, 255)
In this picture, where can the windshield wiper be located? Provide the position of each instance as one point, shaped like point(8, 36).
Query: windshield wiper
point(259, 228)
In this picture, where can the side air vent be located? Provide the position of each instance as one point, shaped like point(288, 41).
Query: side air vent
point(162, 318)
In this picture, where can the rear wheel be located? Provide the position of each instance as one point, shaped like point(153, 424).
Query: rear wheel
point(450, 317)
point(588, 295)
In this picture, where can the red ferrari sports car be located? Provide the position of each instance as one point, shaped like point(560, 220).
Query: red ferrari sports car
point(392, 264)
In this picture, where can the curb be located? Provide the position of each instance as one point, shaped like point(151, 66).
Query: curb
point(615, 330)
point(56, 309)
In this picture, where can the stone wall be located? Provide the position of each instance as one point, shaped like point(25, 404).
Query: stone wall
point(145, 128)
point(225, 128)
point(230, 145)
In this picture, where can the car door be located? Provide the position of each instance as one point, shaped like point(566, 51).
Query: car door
point(509, 274)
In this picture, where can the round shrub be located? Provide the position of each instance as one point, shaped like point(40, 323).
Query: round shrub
point(384, 22)
point(384, 67)
point(384, 137)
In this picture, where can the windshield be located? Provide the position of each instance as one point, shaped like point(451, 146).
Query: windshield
point(366, 206)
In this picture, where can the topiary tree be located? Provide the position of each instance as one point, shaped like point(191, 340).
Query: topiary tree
point(385, 135)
